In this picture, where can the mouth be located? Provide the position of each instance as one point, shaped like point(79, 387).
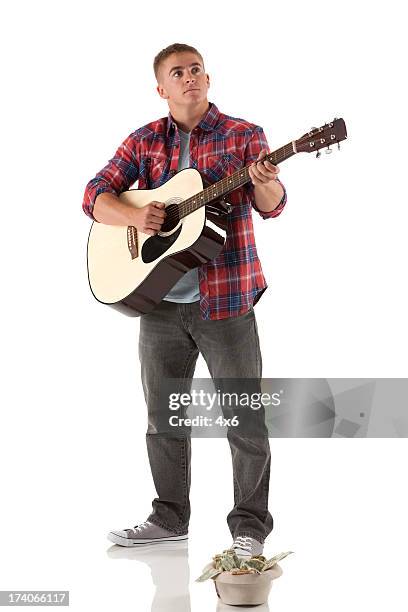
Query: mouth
point(195, 89)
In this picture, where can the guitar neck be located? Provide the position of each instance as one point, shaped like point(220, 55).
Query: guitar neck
point(218, 190)
point(318, 138)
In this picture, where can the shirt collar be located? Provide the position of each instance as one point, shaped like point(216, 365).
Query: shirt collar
point(208, 122)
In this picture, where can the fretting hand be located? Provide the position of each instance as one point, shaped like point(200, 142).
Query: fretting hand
point(262, 172)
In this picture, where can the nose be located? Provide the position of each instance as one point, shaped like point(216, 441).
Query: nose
point(190, 79)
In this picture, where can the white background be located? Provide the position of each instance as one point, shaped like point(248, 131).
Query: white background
point(76, 80)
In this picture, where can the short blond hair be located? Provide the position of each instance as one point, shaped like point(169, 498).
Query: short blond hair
point(174, 48)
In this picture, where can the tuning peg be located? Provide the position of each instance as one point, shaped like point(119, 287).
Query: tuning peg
point(328, 150)
point(338, 146)
point(318, 154)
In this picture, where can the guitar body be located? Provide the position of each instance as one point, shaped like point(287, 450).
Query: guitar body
point(132, 271)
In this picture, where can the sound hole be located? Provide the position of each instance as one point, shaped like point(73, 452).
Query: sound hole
point(172, 218)
point(157, 245)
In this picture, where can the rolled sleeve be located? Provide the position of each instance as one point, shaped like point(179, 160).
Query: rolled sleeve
point(276, 211)
point(118, 175)
point(255, 145)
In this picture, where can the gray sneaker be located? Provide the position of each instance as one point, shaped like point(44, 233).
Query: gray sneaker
point(246, 547)
point(145, 533)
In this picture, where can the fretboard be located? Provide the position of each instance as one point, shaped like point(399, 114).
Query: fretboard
point(218, 190)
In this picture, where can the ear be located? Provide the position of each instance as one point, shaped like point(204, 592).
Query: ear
point(162, 92)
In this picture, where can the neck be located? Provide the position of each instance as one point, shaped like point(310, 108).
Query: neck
point(216, 191)
point(188, 117)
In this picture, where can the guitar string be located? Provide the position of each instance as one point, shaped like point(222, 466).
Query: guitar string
point(186, 207)
point(183, 206)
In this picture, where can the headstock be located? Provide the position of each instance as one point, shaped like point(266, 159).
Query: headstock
point(324, 136)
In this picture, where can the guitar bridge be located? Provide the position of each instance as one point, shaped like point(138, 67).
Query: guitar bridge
point(132, 241)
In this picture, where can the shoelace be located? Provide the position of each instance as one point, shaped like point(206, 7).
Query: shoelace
point(243, 542)
point(141, 526)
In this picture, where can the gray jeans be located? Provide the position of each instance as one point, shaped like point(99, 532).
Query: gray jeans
point(171, 337)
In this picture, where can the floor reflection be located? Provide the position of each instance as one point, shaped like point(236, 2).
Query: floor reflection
point(168, 563)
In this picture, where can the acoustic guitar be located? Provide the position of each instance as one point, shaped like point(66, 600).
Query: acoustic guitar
point(132, 271)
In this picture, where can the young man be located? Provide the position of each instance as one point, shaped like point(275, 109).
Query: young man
point(210, 309)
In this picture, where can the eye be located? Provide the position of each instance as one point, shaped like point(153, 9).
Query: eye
point(176, 72)
point(197, 68)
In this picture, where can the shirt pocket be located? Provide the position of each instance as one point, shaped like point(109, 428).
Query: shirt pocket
point(155, 170)
point(216, 167)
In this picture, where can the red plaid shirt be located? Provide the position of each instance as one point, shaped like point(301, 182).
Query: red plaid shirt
point(233, 282)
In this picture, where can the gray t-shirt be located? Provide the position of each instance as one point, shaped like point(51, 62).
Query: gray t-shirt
point(187, 287)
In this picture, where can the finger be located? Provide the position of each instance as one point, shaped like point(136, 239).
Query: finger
point(252, 176)
point(156, 213)
point(261, 169)
point(153, 225)
point(259, 174)
point(255, 177)
point(262, 153)
point(157, 208)
point(154, 222)
point(271, 166)
point(269, 174)
point(266, 165)
point(155, 218)
point(254, 173)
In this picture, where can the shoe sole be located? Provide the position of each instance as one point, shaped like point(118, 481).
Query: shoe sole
point(116, 539)
point(174, 549)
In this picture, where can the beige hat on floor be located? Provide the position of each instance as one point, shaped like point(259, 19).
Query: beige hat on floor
point(246, 588)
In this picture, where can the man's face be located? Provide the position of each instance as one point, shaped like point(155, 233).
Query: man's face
point(182, 80)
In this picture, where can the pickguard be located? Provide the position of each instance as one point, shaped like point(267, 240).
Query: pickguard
point(156, 245)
